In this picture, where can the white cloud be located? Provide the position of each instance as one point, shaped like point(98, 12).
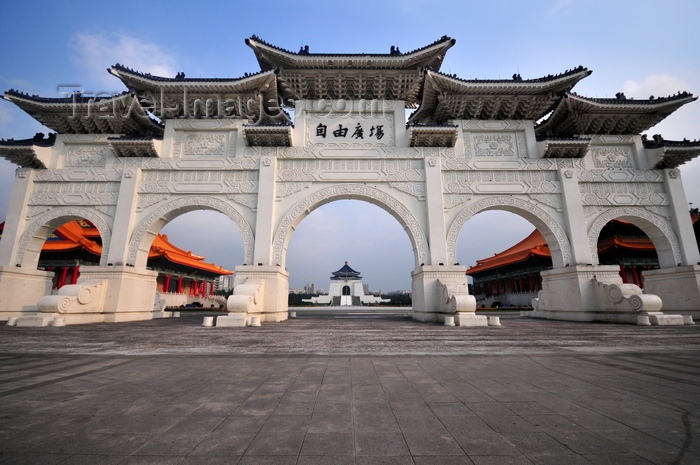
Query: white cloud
point(559, 5)
point(658, 85)
point(96, 52)
point(5, 115)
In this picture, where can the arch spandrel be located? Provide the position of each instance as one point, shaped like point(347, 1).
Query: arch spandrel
point(369, 194)
point(550, 229)
point(655, 227)
point(39, 229)
point(153, 223)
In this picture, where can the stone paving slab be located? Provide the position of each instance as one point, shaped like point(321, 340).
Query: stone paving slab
point(327, 390)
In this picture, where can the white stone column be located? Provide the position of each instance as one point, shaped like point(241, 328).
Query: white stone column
point(434, 204)
point(261, 288)
point(20, 287)
point(573, 218)
point(15, 222)
point(680, 218)
point(125, 218)
point(678, 287)
point(265, 215)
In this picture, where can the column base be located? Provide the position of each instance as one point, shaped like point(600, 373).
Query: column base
point(258, 291)
point(440, 291)
point(679, 288)
point(596, 293)
point(21, 289)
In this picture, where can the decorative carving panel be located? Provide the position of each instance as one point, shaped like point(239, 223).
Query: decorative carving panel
point(93, 193)
point(199, 182)
point(495, 145)
point(631, 193)
point(612, 157)
point(304, 170)
point(84, 156)
point(535, 182)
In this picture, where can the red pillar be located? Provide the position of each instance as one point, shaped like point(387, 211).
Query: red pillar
point(635, 276)
point(166, 283)
point(623, 274)
point(196, 288)
point(74, 278)
point(62, 279)
point(179, 284)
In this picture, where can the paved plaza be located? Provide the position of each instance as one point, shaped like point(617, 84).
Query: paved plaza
point(350, 388)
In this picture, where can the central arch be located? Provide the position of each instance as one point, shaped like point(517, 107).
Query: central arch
point(350, 192)
point(150, 226)
point(552, 232)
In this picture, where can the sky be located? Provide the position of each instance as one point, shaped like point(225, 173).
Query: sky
point(639, 47)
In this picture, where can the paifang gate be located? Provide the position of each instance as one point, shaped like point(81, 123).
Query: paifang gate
point(130, 163)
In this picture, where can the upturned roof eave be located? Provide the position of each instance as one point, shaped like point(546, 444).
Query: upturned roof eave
point(270, 56)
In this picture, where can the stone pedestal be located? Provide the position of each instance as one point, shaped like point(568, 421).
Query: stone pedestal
point(130, 292)
point(21, 289)
point(258, 291)
point(440, 291)
point(592, 293)
point(679, 288)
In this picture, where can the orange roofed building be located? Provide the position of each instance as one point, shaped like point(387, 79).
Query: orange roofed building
point(180, 272)
point(512, 277)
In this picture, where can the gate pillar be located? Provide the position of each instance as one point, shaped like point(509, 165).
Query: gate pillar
point(440, 291)
point(594, 293)
point(21, 289)
point(130, 292)
point(258, 291)
point(679, 288)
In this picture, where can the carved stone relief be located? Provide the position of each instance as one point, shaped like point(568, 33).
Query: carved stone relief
point(620, 175)
point(416, 189)
point(79, 175)
point(495, 144)
point(631, 193)
point(539, 182)
point(612, 157)
point(285, 189)
point(304, 170)
point(84, 156)
point(199, 182)
point(92, 193)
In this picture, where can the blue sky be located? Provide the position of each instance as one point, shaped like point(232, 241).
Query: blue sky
point(638, 47)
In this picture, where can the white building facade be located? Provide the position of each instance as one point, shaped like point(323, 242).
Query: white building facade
point(131, 163)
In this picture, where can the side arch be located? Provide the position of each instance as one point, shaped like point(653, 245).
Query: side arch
point(551, 230)
point(658, 230)
point(34, 236)
point(350, 192)
point(148, 228)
